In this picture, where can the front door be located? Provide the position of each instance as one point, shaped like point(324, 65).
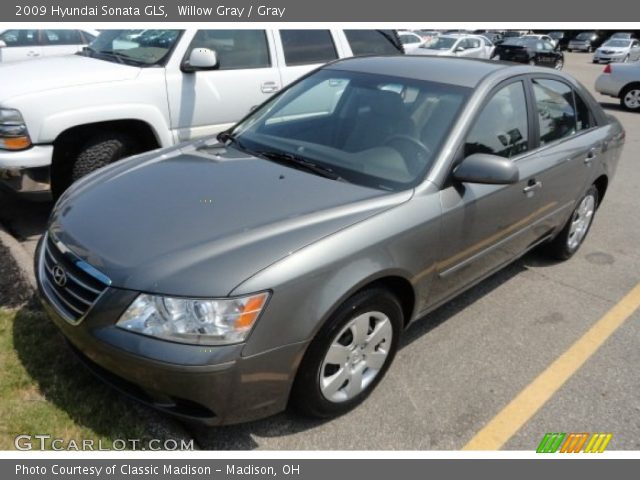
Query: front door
point(207, 102)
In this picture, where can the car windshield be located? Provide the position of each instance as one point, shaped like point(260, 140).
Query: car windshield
point(372, 130)
point(617, 43)
point(621, 35)
point(136, 47)
point(441, 43)
point(556, 35)
point(584, 36)
point(520, 42)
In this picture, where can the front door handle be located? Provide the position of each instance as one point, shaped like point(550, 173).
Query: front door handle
point(532, 186)
point(269, 87)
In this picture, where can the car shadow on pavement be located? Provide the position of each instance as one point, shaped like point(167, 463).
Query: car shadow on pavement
point(63, 381)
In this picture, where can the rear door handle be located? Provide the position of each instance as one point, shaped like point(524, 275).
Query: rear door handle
point(591, 155)
point(269, 87)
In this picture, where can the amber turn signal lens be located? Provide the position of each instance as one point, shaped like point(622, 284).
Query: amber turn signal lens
point(15, 143)
point(251, 311)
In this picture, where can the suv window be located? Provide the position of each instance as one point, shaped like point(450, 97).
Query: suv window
point(20, 38)
point(556, 110)
point(62, 37)
point(236, 49)
point(371, 42)
point(502, 127)
point(302, 47)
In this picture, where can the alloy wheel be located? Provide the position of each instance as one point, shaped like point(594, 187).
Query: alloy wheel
point(355, 357)
point(580, 222)
point(632, 99)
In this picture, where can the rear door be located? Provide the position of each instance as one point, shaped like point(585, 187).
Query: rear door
point(207, 102)
point(20, 45)
point(569, 143)
point(300, 51)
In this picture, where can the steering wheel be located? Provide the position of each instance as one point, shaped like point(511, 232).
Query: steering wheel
point(411, 155)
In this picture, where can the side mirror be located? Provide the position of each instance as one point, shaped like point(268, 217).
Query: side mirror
point(459, 49)
point(2, 44)
point(488, 169)
point(201, 59)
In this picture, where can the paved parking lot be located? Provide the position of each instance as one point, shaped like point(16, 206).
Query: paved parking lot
point(463, 364)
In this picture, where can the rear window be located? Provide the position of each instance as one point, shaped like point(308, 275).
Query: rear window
point(302, 47)
point(373, 42)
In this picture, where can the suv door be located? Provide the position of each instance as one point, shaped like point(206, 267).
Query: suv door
point(20, 45)
point(569, 143)
point(300, 51)
point(486, 226)
point(209, 101)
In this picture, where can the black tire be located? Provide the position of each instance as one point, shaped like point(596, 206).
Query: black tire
point(625, 105)
point(306, 395)
point(559, 248)
point(101, 150)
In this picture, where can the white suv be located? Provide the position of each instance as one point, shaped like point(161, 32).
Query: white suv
point(136, 90)
point(19, 44)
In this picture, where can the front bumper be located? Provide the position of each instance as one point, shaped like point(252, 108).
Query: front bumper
point(608, 58)
point(27, 171)
point(210, 385)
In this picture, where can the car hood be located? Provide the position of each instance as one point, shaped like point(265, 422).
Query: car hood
point(199, 221)
point(50, 73)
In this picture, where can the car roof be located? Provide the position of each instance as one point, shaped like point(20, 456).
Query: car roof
point(464, 72)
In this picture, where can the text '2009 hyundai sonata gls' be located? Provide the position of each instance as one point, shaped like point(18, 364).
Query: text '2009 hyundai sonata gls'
point(224, 279)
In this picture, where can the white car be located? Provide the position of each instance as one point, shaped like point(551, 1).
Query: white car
point(410, 41)
point(618, 50)
point(621, 81)
point(472, 46)
point(132, 91)
point(19, 44)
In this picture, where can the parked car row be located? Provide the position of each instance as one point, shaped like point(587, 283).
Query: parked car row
point(24, 44)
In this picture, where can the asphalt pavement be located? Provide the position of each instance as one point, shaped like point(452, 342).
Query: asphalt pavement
point(462, 365)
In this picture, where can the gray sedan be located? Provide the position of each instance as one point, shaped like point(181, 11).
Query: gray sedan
point(618, 50)
point(222, 280)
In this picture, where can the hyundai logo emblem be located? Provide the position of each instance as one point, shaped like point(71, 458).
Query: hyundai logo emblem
point(59, 276)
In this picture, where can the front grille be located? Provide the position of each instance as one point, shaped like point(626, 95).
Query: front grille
point(71, 285)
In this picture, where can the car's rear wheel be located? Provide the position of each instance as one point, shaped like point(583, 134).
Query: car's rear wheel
point(630, 98)
point(349, 356)
point(568, 241)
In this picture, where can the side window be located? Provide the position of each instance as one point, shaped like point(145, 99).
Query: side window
point(473, 43)
point(371, 42)
point(236, 49)
point(556, 111)
point(302, 47)
point(502, 127)
point(585, 117)
point(20, 38)
point(62, 37)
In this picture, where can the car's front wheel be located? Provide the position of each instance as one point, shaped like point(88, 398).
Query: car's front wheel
point(568, 241)
point(349, 356)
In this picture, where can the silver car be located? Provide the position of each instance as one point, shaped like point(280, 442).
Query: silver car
point(457, 45)
point(622, 82)
point(617, 50)
point(222, 280)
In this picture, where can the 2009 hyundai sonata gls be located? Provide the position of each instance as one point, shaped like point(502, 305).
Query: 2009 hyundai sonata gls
point(221, 280)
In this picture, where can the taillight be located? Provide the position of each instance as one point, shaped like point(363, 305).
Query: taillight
point(607, 68)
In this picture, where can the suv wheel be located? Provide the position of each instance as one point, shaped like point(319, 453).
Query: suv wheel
point(101, 150)
point(349, 356)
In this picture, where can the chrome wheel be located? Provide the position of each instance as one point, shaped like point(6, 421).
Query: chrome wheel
point(582, 217)
point(356, 356)
point(632, 99)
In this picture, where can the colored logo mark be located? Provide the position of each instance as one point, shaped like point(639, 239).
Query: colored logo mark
point(574, 442)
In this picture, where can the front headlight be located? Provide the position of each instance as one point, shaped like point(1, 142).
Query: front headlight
point(13, 130)
point(195, 321)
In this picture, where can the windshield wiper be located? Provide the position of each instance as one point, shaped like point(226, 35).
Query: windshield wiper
point(119, 57)
point(301, 163)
